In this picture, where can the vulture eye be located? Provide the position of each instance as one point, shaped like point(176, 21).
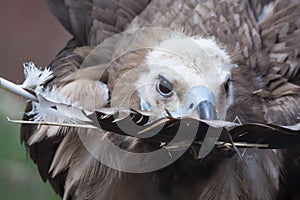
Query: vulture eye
point(226, 84)
point(164, 87)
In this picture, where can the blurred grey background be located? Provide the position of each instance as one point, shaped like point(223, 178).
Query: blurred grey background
point(29, 32)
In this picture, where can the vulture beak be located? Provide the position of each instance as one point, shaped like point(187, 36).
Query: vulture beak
point(199, 100)
point(206, 110)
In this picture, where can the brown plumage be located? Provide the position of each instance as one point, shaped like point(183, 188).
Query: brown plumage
point(266, 89)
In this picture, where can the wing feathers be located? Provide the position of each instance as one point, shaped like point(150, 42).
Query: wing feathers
point(85, 19)
point(280, 32)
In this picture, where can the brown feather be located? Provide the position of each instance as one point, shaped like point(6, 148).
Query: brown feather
point(267, 53)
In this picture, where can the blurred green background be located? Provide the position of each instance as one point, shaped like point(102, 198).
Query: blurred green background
point(19, 178)
point(29, 32)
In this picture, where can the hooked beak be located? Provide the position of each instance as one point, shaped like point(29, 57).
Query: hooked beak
point(206, 110)
point(199, 100)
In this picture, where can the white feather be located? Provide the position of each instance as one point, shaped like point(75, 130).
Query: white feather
point(35, 77)
point(54, 107)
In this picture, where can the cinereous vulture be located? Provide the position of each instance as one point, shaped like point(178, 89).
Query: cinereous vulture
point(233, 60)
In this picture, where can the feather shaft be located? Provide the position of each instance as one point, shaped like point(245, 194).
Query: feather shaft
point(16, 89)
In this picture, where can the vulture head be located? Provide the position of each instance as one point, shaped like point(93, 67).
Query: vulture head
point(177, 77)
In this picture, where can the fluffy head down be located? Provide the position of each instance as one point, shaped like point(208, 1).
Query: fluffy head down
point(179, 64)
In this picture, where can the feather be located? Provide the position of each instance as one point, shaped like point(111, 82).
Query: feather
point(16, 89)
point(35, 77)
point(54, 107)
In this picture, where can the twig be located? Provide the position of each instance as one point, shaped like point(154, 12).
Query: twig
point(52, 124)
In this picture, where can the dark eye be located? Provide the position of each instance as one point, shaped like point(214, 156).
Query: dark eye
point(226, 84)
point(164, 87)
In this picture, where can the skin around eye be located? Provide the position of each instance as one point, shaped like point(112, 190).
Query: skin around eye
point(164, 87)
